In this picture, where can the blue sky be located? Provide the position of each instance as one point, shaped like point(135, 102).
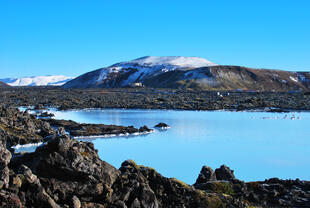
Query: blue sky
point(71, 37)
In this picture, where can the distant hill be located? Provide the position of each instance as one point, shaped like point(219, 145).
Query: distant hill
point(51, 80)
point(190, 72)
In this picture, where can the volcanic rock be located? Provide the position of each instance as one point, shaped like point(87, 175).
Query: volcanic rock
point(46, 115)
point(21, 128)
point(224, 173)
point(67, 168)
point(5, 157)
point(206, 175)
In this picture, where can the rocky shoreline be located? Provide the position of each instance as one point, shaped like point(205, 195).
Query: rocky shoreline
point(64, 172)
point(147, 98)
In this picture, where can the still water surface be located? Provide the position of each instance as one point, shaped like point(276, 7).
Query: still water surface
point(256, 145)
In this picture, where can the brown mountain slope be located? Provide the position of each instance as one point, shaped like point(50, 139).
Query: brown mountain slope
point(232, 78)
point(236, 77)
point(219, 77)
point(2, 84)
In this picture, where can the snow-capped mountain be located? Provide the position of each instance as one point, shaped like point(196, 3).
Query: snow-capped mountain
point(190, 72)
point(50, 80)
point(125, 73)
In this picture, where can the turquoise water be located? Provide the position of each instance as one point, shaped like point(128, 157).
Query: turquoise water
point(256, 145)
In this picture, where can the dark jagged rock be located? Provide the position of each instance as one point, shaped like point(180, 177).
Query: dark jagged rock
point(279, 193)
point(46, 130)
point(69, 168)
point(46, 115)
point(39, 107)
point(269, 193)
point(68, 159)
point(144, 129)
point(35, 193)
point(224, 173)
point(208, 181)
point(9, 199)
point(144, 187)
point(206, 175)
point(5, 157)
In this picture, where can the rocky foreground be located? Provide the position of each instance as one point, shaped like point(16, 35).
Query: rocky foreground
point(67, 173)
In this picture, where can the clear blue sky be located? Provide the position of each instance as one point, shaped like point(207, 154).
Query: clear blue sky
point(71, 37)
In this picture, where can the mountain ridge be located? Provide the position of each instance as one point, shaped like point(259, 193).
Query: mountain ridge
point(48, 80)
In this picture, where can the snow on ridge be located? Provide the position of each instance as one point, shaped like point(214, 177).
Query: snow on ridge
point(56, 80)
point(180, 61)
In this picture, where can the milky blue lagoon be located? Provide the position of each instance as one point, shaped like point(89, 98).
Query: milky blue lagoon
point(256, 145)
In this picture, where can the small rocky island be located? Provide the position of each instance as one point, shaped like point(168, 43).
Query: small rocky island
point(78, 130)
point(64, 172)
point(162, 125)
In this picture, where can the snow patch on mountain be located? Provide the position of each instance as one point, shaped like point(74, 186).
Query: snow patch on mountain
point(179, 61)
point(51, 80)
